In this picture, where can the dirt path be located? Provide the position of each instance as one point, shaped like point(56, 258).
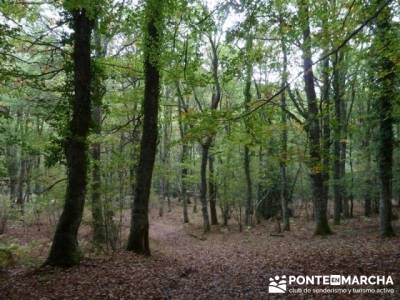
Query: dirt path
point(224, 264)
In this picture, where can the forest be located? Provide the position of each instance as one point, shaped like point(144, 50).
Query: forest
point(199, 149)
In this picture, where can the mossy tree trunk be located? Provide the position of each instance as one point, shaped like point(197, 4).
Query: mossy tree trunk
point(64, 250)
point(138, 240)
point(99, 236)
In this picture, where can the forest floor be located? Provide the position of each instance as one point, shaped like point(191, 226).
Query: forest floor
point(185, 264)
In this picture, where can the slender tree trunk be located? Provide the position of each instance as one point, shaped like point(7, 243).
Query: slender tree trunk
point(212, 191)
point(325, 106)
point(343, 154)
point(368, 180)
point(161, 198)
point(13, 173)
point(203, 186)
point(326, 141)
point(247, 154)
point(337, 179)
point(184, 173)
point(184, 153)
point(21, 182)
point(12, 160)
point(351, 197)
point(205, 146)
point(313, 128)
point(249, 193)
point(165, 157)
point(98, 93)
point(284, 138)
point(138, 240)
point(64, 250)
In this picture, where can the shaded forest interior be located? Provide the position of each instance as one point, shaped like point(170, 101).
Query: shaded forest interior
point(195, 149)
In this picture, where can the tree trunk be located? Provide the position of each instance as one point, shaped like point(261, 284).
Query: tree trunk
point(64, 250)
point(247, 99)
point(212, 191)
point(21, 182)
point(325, 106)
point(343, 154)
point(313, 128)
point(205, 146)
point(139, 232)
point(284, 138)
point(368, 181)
point(184, 173)
point(326, 132)
point(98, 93)
point(184, 153)
point(385, 76)
point(12, 159)
point(337, 179)
point(203, 186)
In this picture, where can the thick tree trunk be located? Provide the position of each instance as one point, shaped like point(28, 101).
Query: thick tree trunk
point(64, 250)
point(385, 77)
point(138, 240)
point(313, 128)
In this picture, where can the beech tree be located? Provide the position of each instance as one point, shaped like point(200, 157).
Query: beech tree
point(313, 127)
point(138, 240)
point(64, 250)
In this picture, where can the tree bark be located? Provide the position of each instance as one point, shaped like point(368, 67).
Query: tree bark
point(284, 138)
point(337, 173)
point(182, 108)
point(343, 154)
point(13, 170)
point(247, 155)
point(203, 186)
point(313, 128)
point(205, 145)
point(368, 180)
point(99, 236)
point(212, 191)
point(64, 250)
point(138, 240)
point(385, 77)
